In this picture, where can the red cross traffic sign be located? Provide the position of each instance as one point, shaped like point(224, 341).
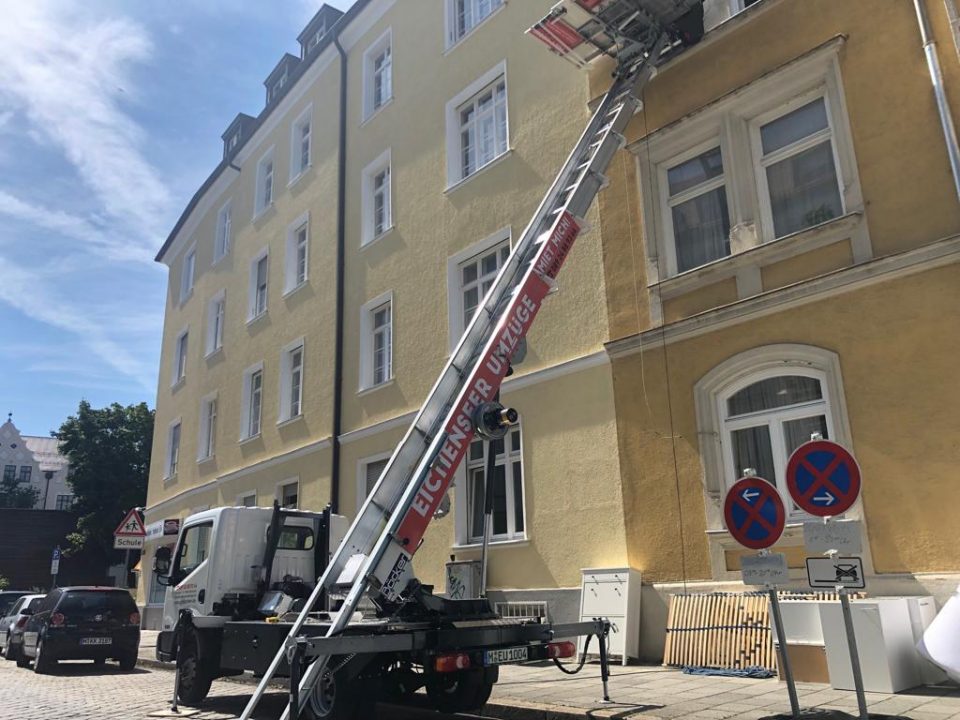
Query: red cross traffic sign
point(132, 526)
point(823, 478)
point(754, 513)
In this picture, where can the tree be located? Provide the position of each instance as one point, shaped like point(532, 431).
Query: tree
point(13, 494)
point(109, 453)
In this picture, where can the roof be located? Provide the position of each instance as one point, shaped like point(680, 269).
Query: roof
point(326, 12)
point(295, 75)
point(47, 452)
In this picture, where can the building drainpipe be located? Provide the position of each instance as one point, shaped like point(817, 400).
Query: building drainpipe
point(936, 76)
point(341, 248)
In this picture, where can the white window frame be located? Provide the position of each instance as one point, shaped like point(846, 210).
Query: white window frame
point(181, 350)
point(454, 36)
point(727, 123)
point(260, 203)
point(370, 56)
point(223, 239)
point(745, 369)
point(243, 496)
point(246, 403)
point(188, 271)
point(455, 174)
point(207, 436)
point(362, 464)
point(172, 458)
point(253, 309)
point(367, 340)
point(287, 483)
point(455, 308)
point(368, 232)
point(297, 140)
point(216, 316)
point(287, 370)
point(291, 264)
point(463, 499)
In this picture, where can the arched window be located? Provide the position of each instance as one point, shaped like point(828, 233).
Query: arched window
point(756, 408)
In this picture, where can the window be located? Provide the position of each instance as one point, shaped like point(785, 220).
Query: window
point(208, 428)
point(295, 538)
point(477, 125)
point(476, 276)
point(508, 510)
point(221, 244)
point(64, 502)
point(25, 472)
point(698, 210)
point(186, 275)
point(158, 592)
point(291, 381)
point(300, 133)
point(464, 15)
point(259, 276)
point(377, 75)
point(376, 352)
point(264, 190)
point(298, 253)
point(173, 448)
point(287, 494)
point(376, 193)
point(314, 39)
point(799, 168)
point(180, 358)
point(368, 473)
point(252, 402)
point(216, 309)
point(9, 473)
point(247, 499)
point(194, 549)
point(762, 404)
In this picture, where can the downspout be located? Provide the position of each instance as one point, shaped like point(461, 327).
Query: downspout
point(341, 249)
point(936, 76)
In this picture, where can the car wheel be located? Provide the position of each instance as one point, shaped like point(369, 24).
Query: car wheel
point(23, 661)
point(194, 679)
point(129, 661)
point(9, 649)
point(43, 663)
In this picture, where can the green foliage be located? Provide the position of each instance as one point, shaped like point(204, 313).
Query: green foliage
point(109, 453)
point(13, 494)
point(4, 583)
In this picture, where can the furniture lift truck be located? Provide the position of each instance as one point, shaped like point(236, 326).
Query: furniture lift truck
point(303, 624)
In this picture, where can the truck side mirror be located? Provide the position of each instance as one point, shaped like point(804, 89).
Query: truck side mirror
point(161, 561)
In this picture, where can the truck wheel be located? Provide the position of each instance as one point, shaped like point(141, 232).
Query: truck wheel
point(194, 679)
point(333, 700)
point(461, 691)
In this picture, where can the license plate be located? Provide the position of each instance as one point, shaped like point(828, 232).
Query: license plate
point(96, 641)
point(506, 655)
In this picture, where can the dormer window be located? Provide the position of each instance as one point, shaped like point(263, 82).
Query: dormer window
point(274, 92)
point(276, 81)
point(317, 29)
point(236, 133)
point(314, 39)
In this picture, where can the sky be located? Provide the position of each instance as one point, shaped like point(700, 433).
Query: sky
point(111, 113)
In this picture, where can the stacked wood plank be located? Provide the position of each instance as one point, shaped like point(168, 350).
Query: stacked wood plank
point(724, 630)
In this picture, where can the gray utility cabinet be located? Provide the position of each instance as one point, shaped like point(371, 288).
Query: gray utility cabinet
point(614, 593)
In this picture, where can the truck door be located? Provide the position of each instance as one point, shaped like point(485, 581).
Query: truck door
point(189, 576)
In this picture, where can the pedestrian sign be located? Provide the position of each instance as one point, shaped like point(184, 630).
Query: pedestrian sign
point(823, 478)
point(754, 513)
point(132, 526)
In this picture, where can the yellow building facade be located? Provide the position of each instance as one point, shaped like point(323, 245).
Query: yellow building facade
point(455, 124)
point(781, 259)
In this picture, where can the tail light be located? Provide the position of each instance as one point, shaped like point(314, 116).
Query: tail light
point(22, 621)
point(451, 663)
point(563, 649)
point(134, 618)
point(57, 619)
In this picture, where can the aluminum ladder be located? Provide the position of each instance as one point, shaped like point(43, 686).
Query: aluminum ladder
point(376, 552)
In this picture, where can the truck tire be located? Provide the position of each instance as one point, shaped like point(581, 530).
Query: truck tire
point(461, 691)
point(333, 699)
point(195, 679)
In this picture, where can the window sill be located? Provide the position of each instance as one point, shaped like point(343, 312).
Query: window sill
point(253, 320)
point(377, 111)
point(248, 439)
point(217, 260)
point(293, 290)
point(261, 212)
point(214, 354)
point(373, 388)
point(378, 238)
point(208, 458)
point(508, 542)
point(760, 255)
point(459, 41)
point(185, 298)
point(290, 421)
point(179, 383)
point(456, 185)
point(169, 479)
point(299, 176)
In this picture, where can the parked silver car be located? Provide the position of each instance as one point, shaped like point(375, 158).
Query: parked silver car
point(11, 626)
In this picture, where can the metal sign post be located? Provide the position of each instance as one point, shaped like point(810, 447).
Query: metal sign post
point(55, 564)
point(851, 645)
point(784, 657)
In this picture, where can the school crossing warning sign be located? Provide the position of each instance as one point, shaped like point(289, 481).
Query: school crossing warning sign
point(129, 533)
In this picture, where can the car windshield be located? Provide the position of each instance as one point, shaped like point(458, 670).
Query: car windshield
point(7, 600)
point(84, 602)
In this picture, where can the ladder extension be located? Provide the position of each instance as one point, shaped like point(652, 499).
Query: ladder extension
point(376, 552)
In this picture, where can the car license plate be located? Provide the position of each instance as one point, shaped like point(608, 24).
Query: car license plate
point(506, 655)
point(96, 641)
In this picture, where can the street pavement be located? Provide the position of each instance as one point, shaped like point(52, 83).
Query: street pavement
point(82, 691)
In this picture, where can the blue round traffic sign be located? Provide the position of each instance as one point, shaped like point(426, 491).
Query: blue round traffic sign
point(823, 478)
point(754, 513)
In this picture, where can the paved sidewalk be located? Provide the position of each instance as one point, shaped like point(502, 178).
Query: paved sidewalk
point(542, 692)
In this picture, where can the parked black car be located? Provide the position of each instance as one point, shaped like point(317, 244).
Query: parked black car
point(82, 623)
